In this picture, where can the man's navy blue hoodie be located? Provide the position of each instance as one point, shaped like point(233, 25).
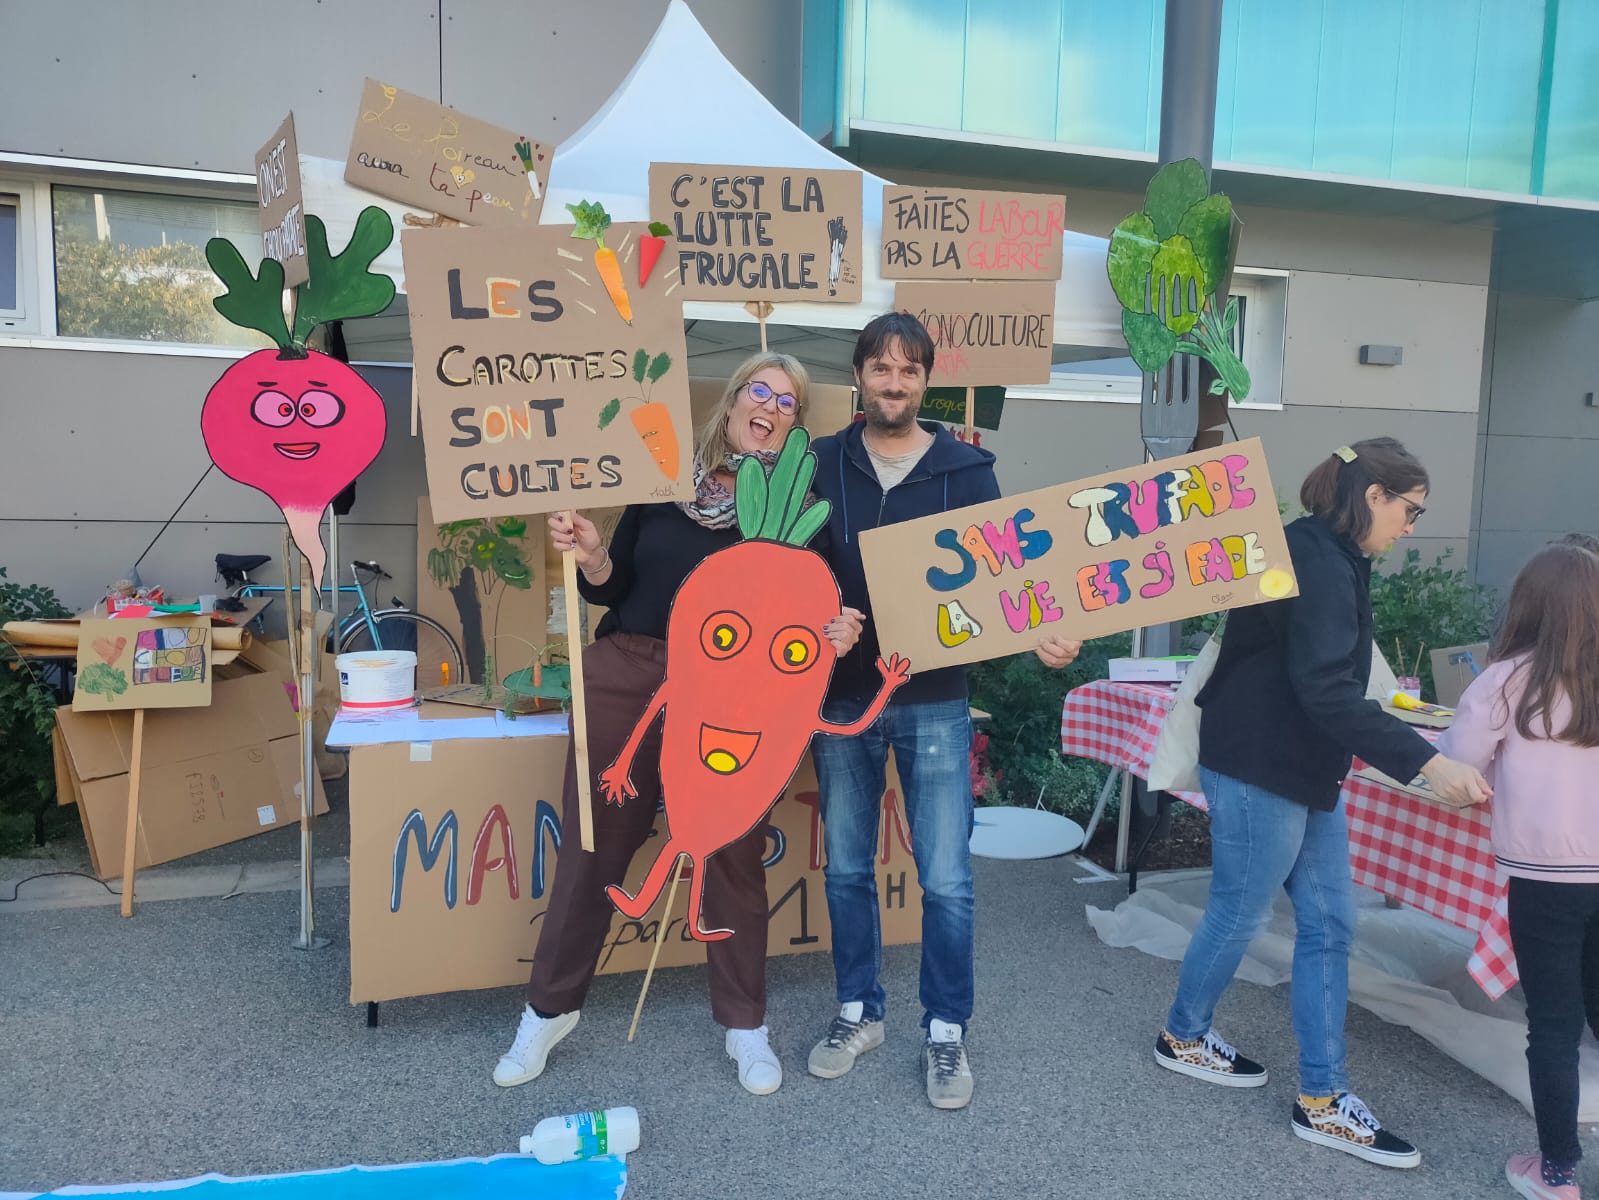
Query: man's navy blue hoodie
point(950, 475)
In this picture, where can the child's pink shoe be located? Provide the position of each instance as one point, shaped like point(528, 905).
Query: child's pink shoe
point(1524, 1172)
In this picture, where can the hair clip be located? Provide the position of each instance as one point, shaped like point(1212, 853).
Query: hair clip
point(1345, 453)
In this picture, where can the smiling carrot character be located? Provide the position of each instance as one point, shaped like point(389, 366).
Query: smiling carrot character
point(746, 671)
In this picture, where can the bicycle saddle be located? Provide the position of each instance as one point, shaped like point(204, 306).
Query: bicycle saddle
point(242, 562)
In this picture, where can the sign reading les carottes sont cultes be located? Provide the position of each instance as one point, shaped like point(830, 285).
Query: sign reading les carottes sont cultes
point(418, 152)
point(550, 369)
point(761, 233)
point(1154, 543)
point(951, 233)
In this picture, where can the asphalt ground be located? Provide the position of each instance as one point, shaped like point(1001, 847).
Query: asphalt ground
point(195, 1038)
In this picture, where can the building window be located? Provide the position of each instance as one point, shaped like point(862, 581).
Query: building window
point(14, 225)
point(131, 265)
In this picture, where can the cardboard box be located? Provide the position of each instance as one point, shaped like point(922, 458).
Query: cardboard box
point(210, 775)
point(1150, 670)
point(1453, 669)
point(453, 851)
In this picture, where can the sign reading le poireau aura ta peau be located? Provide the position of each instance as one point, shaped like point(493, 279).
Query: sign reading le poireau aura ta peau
point(550, 368)
point(416, 151)
point(761, 233)
point(1158, 542)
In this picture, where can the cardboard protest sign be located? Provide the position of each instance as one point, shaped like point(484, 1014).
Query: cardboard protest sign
point(277, 179)
point(537, 392)
point(453, 856)
point(1153, 543)
point(293, 422)
point(984, 333)
point(419, 152)
point(155, 662)
point(747, 668)
point(948, 404)
point(761, 233)
point(951, 233)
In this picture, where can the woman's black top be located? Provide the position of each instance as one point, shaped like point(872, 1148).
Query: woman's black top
point(653, 549)
point(1286, 705)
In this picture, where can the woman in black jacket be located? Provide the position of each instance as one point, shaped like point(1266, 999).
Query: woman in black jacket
point(1279, 720)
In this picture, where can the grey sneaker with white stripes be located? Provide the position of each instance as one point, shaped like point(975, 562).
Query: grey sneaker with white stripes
point(848, 1037)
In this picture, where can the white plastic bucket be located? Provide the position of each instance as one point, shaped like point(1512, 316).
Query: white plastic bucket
point(377, 678)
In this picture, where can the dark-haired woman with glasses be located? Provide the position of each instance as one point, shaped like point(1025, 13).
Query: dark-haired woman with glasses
point(1280, 718)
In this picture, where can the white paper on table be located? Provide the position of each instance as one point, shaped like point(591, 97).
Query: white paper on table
point(407, 725)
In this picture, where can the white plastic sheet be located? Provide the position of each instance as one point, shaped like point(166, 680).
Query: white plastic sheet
point(1407, 967)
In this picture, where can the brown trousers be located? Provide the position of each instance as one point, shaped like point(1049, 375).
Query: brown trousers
point(620, 673)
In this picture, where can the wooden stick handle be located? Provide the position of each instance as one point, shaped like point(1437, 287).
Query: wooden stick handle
point(760, 310)
point(580, 729)
point(131, 846)
point(655, 953)
point(971, 411)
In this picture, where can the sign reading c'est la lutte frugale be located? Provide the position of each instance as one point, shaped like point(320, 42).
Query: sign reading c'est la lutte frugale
point(782, 234)
point(1158, 542)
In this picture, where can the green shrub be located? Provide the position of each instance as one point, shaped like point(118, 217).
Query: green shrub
point(27, 716)
point(1416, 609)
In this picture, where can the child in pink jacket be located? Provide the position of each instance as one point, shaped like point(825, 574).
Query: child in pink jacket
point(1531, 722)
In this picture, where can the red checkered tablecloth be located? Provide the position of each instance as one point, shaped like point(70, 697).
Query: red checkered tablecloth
point(1431, 857)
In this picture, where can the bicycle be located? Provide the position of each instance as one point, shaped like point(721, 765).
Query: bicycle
point(366, 628)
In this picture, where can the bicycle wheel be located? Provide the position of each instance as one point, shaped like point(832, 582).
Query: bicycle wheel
point(401, 629)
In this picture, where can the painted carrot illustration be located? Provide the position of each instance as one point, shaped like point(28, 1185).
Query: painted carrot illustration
point(652, 419)
point(649, 249)
point(592, 222)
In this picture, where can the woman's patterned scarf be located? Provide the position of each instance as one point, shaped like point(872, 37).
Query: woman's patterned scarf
point(713, 504)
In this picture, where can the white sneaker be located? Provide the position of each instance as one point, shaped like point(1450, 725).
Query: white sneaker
point(534, 1037)
point(758, 1068)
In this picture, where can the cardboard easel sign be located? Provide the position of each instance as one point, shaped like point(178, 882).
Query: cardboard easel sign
point(143, 663)
point(421, 153)
point(761, 233)
point(953, 233)
point(986, 332)
point(277, 177)
point(538, 392)
point(1149, 544)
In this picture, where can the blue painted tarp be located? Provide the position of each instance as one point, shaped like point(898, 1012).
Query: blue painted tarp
point(504, 1177)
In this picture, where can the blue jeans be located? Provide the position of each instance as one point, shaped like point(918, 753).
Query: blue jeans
point(932, 749)
point(1260, 842)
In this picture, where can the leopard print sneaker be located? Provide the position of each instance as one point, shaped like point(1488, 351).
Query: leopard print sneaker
point(1208, 1058)
point(1344, 1123)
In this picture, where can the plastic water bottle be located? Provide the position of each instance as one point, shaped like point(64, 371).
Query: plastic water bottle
point(583, 1135)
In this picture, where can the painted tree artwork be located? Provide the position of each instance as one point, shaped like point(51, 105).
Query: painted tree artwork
point(476, 560)
point(292, 422)
point(747, 668)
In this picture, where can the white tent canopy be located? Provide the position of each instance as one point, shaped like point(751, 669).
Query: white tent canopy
point(684, 102)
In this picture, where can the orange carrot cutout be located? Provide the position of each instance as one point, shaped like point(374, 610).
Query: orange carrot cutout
point(653, 419)
point(747, 668)
point(592, 222)
point(650, 247)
